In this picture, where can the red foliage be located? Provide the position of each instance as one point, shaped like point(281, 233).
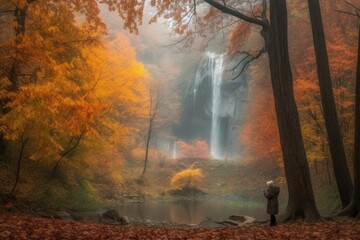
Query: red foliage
point(194, 149)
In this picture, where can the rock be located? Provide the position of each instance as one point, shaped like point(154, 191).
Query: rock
point(62, 215)
point(210, 223)
point(150, 223)
point(138, 220)
point(124, 220)
point(111, 214)
point(239, 220)
point(233, 220)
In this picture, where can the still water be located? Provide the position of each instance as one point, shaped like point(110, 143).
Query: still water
point(189, 212)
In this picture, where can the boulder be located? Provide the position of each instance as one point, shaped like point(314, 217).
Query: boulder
point(111, 214)
point(124, 220)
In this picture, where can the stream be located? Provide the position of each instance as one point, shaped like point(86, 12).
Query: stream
point(188, 211)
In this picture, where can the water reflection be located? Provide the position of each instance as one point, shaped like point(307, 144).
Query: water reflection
point(188, 212)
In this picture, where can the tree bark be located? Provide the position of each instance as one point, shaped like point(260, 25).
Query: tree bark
point(147, 146)
point(336, 146)
point(357, 135)
point(301, 198)
point(23, 144)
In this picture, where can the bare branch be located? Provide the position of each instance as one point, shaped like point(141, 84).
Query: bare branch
point(352, 5)
point(264, 12)
point(96, 82)
point(259, 54)
point(235, 13)
point(7, 11)
point(349, 13)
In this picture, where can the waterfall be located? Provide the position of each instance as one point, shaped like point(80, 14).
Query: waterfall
point(213, 109)
point(211, 68)
point(217, 71)
point(174, 150)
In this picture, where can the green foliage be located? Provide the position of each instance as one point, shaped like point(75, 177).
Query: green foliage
point(76, 198)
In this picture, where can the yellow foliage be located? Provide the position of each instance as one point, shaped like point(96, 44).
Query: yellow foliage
point(188, 178)
point(87, 90)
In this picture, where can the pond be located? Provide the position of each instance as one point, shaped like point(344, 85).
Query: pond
point(190, 211)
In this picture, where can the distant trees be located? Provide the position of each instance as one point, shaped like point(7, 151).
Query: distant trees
point(193, 149)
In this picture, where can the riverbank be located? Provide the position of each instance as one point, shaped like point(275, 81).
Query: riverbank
point(24, 227)
point(228, 188)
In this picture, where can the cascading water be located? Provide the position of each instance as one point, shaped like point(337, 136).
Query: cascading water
point(174, 150)
point(213, 108)
point(216, 104)
point(211, 67)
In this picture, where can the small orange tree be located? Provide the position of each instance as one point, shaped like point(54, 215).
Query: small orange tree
point(189, 178)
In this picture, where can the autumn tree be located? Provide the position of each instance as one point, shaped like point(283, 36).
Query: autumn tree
point(194, 149)
point(68, 87)
point(342, 174)
point(353, 208)
point(187, 179)
point(19, 17)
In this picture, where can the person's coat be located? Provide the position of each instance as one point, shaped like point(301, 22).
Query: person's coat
point(272, 194)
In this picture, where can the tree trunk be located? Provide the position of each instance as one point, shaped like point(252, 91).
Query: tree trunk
point(301, 198)
point(147, 147)
point(354, 207)
point(357, 136)
point(20, 19)
point(65, 153)
point(23, 144)
point(336, 146)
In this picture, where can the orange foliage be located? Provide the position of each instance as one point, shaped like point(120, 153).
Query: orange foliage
point(188, 178)
point(67, 85)
point(260, 136)
point(260, 133)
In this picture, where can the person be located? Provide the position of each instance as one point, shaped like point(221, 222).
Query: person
point(272, 194)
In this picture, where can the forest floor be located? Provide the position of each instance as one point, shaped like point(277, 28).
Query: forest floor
point(24, 227)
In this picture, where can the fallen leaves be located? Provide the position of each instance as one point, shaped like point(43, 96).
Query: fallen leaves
point(24, 227)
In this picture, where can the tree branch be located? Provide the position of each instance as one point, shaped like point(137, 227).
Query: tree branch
point(237, 14)
point(68, 151)
point(252, 58)
point(7, 11)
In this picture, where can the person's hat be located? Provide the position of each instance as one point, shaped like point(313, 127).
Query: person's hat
point(270, 183)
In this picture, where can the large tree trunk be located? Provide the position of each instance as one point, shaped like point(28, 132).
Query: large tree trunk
point(301, 198)
point(354, 207)
point(338, 157)
point(357, 136)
